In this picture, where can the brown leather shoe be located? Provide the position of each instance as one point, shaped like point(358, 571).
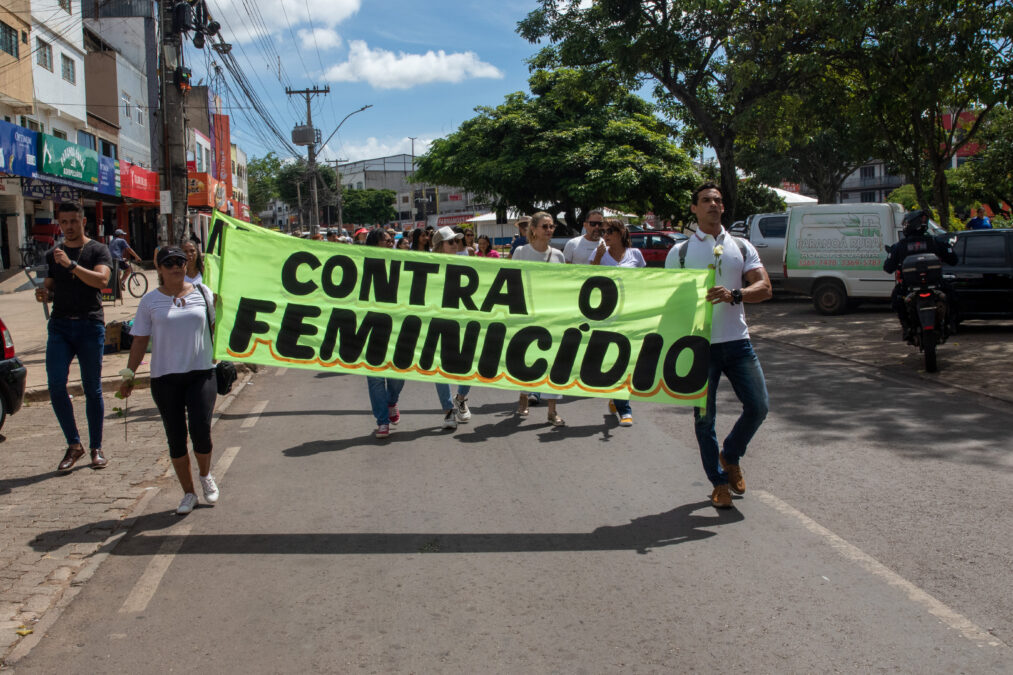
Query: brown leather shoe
point(721, 498)
point(73, 454)
point(735, 479)
point(98, 460)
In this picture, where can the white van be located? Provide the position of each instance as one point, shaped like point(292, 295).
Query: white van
point(835, 252)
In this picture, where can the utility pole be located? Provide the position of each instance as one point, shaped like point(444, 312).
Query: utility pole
point(311, 141)
point(175, 82)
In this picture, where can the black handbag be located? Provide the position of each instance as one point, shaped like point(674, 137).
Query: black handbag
point(225, 371)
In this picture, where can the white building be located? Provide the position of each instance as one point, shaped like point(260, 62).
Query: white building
point(61, 106)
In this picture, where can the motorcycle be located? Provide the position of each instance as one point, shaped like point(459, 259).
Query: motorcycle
point(927, 307)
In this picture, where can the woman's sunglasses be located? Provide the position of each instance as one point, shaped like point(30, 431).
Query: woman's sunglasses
point(173, 262)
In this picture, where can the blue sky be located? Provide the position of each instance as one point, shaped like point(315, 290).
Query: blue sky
point(424, 66)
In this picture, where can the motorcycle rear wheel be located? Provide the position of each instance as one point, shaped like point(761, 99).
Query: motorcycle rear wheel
point(929, 347)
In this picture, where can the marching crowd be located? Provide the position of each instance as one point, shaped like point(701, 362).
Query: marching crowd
point(177, 319)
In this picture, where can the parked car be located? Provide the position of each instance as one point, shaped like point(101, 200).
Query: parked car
point(983, 275)
point(12, 376)
point(655, 245)
point(766, 233)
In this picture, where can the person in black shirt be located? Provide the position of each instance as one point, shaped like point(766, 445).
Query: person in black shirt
point(78, 269)
point(916, 240)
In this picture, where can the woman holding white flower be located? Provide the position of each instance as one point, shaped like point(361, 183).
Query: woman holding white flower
point(178, 315)
point(616, 250)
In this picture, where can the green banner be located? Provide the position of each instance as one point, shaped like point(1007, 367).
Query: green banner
point(67, 160)
point(576, 330)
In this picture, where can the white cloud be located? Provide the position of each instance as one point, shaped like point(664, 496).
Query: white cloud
point(324, 38)
point(374, 147)
point(275, 17)
point(384, 69)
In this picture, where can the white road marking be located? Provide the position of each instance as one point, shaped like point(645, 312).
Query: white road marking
point(146, 586)
point(948, 616)
point(144, 590)
point(278, 372)
point(258, 408)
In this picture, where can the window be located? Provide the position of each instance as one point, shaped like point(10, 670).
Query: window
point(774, 227)
point(85, 139)
point(140, 114)
point(108, 149)
point(62, 135)
point(68, 69)
point(868, 197)
point(985, 250)
point(29, 123)
point(65, 5)
point(44, 54)
point(8, 39)
point(868, 172)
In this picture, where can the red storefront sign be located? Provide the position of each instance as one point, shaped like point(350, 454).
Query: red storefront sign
point(223, 152)
point(204, 191)
point(455, 219)
point(137, 183)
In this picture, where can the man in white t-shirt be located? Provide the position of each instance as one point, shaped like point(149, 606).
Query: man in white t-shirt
point(739, 278)
point(579, 249)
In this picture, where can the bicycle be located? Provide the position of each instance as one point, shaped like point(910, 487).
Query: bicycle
point(137, 283)
point(30, 254)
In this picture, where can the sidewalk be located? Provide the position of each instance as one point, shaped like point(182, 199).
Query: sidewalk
point(26, 321)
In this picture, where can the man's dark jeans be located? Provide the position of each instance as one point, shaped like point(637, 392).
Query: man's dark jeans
point(84, 339)
point(738, 362)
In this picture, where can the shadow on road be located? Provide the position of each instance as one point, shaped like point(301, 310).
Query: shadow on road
point(677, 526)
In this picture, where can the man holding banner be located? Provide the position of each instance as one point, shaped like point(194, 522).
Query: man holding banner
point(736, 263)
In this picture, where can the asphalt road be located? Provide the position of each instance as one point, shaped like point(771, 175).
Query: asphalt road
point(874, 536)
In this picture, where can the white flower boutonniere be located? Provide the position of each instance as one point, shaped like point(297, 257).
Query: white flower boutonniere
point(718, 252)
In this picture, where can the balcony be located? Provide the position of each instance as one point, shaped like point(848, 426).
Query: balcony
point(872, 182)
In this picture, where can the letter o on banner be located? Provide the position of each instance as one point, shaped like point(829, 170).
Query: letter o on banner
point(696, 378)
point(609, 298)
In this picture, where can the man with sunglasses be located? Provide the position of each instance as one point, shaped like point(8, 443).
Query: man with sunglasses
point(739, 278)
point(579, 249)
point(78, 269)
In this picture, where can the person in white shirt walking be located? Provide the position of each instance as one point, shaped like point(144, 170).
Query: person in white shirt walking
point(739, 278)
point(580, 249)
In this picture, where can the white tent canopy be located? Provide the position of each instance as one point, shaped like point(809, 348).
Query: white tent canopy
point(792, 198)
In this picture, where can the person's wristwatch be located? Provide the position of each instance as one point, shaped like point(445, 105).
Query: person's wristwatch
point(736, 297)
point(73, 266)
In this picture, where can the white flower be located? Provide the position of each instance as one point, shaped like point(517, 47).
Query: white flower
point(718, 251)
point(127, 375)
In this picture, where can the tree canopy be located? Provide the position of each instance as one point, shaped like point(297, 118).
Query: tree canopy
point(368, 207)
point(261, 181)
point(295, 176)
point(575, 143)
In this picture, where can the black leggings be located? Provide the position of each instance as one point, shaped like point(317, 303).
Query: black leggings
point(183, 396)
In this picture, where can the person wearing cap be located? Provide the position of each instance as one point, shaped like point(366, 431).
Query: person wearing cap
point(455, 408)
point(119, 249)
point(360, 236)
point(179, 315)
point(383, 391)
point(333, 235)
point(78, 268)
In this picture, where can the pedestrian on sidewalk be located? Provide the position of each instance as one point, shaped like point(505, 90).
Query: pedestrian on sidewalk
point(194, 270)
point(179, 316)
point(736, 263)
point(455, 408)
point(616, 250)
point(383, 391)
point(78, 269)
point(119, 249)
point(537, 249)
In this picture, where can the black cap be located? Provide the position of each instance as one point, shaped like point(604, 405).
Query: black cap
point(170, 252)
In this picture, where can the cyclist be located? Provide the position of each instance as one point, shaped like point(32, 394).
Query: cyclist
point(119, 249)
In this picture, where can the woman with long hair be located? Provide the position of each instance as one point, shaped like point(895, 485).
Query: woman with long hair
point(194, 263)
point(455, 407)
point(617, 251)
point(420, 239)
point(485, 249)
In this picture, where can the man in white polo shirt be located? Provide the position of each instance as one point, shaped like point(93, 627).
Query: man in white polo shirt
point(739, 278)
point(579, 249)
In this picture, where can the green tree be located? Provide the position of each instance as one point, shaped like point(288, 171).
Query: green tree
point(987, 178)
point(576, 143)
point(295, 177)
point(262, 181)
point(368, 207)
point(711, 62)
point(931, 71)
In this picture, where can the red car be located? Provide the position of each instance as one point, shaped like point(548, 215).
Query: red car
point(655, 245)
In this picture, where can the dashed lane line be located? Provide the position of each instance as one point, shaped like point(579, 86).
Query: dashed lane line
point(254, 416)
point(933, 606)
point(145, 588)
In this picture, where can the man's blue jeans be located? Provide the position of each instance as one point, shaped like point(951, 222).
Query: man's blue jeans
point(738, 362)
point(84, 339)
point(446, 400)
point(383, 393)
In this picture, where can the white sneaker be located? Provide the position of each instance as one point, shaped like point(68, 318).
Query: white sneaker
point(461, 411)
point(626, 420)
point(186, 506)
point(210, 488)
point(450, 420)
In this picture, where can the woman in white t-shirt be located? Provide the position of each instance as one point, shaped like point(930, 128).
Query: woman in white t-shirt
point(178, 315)
point(194, 270)
point(617, 251)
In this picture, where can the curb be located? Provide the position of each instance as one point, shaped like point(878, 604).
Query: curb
point(36, 394)
point(23, 647)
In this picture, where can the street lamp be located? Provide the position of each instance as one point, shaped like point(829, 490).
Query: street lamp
point(341, 224)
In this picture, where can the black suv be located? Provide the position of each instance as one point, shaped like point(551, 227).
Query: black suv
point(12, 376)
point(983, 275)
